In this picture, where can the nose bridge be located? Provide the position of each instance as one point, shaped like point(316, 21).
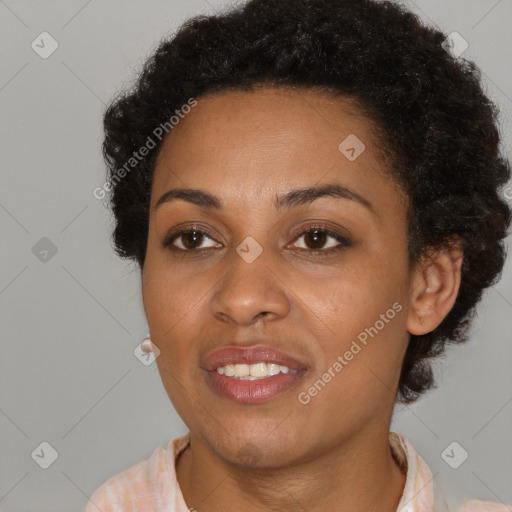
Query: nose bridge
point(250, 287)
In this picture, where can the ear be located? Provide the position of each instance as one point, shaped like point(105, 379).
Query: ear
point(434, 288)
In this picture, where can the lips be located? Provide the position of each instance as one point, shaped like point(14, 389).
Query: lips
point(250, 355)
point(251, 392)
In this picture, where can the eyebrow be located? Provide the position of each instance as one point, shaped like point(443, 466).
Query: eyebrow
point(292, 199)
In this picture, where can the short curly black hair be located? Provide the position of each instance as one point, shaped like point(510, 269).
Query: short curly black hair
point(439, 128)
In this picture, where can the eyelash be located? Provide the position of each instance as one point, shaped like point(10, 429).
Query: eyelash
point(344, 242)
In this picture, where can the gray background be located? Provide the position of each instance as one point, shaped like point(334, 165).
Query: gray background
point(69, 325)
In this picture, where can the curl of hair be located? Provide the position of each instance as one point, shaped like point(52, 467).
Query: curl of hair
point(435, 125)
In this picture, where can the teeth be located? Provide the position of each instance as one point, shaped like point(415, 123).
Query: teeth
point(258, 370)
point(274, 369)
point(241, 370)
point(253, 371)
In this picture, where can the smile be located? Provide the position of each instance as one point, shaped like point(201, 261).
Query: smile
point(254, 371)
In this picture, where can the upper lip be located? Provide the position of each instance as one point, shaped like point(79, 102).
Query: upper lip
point(249, 355)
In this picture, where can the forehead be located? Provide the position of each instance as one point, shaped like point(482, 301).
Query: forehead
point(247, 145)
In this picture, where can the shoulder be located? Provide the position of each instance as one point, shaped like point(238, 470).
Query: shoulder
point(131, 489)
point(485, 506)
point(419, 476)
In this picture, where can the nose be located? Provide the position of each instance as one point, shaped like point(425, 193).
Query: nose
point(250, 292)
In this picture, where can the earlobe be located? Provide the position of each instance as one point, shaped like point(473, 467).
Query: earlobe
point(434, 289)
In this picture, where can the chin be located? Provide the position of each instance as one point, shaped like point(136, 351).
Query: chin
point(250, 449)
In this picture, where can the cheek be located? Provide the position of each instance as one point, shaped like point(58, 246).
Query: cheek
point(163, 306)
point(175, 309)
point(359, 358)
point(354, 295)
point(362, 314)
point(165, 300)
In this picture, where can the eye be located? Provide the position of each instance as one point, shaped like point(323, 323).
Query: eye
point(190, 239)
point(315, 238)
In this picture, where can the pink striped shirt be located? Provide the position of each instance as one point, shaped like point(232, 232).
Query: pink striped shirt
point(151, 485)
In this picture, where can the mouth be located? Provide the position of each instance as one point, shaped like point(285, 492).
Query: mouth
point(252, 375)
point(253, 371)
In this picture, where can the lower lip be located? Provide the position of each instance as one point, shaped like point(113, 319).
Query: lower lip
point(253, 391)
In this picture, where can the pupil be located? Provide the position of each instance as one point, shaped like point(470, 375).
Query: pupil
point(191, 235)
point(320, 238)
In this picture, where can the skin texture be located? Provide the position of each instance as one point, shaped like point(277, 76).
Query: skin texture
point(333, 452)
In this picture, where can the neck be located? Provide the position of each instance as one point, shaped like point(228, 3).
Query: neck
point(359, 474)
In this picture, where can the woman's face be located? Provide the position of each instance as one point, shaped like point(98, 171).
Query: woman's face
point(251, 276)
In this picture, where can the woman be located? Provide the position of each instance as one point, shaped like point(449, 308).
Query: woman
point(312, 192)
